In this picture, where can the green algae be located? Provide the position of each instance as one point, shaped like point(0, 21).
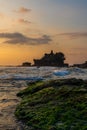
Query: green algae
point(54, 105)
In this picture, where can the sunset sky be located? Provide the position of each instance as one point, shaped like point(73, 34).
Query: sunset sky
point(29, 28)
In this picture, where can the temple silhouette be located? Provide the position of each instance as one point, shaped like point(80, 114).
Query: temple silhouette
point(51, 59)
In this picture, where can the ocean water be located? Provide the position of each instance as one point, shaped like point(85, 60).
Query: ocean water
point(14, 79)
point(30, 73)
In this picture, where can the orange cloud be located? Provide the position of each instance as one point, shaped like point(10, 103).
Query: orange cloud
point(22, 10)
point(23, 21)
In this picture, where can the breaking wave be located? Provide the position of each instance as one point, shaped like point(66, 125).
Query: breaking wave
point(35, 73)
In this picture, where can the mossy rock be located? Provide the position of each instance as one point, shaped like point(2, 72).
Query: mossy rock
point(54, 105)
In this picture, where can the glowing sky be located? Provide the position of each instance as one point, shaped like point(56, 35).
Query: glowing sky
point(29, 28)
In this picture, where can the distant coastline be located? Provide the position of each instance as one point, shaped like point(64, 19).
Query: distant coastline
point(50, 60)
point(54, 60)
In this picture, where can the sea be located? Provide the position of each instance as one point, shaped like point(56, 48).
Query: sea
point(14, 79)
point(45, 73)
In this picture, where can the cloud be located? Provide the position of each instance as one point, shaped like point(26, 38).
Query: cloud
point(23, 21)
point(73, 35)
point(22, 10)
point(19, 38)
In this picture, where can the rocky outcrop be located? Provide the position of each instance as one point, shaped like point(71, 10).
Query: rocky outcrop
point(54, 105)
point(26, 64)
point(52, 59)
point(84, 65)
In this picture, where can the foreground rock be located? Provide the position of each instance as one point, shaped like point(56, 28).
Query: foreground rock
point(54, 105)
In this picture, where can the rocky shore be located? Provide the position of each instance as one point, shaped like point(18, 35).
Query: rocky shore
point(54, 105)
point(12, 80)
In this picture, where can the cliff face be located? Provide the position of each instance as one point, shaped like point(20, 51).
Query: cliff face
point(51, 59)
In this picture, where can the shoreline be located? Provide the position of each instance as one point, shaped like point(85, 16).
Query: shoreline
point(9, 88)
point(8, 104)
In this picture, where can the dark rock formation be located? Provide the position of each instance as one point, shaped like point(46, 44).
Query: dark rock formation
point(84, 65)
point(26, 64)
point(51, 59)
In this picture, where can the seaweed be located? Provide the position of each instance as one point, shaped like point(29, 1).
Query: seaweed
point(54, 105)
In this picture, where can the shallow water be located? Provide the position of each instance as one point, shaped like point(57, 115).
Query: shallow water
point(8, 102)
point(13, 79)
